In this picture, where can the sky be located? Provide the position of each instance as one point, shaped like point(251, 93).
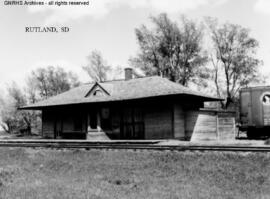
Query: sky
point(108, 26)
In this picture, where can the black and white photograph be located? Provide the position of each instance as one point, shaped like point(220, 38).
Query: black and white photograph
point(133, 99)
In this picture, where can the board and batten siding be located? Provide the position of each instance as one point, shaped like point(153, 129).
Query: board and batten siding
point(226, 126)
point(67, 122)
point(62, 121)
point(158, 122)
point(201, 125)
point(206, 125)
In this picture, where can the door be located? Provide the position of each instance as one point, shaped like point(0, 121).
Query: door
point(58, 127)
point(133, 124)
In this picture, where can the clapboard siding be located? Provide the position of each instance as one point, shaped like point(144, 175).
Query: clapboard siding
point(179, 122)
point(158, 123)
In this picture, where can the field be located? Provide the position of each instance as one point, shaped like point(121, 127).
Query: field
point(50, 173)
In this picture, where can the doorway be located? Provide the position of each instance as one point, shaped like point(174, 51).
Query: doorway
point(93, 120)
point(58, 127)
point(132, 124)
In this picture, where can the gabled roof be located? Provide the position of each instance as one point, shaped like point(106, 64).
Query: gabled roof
point(121, 90)
point(96, 87)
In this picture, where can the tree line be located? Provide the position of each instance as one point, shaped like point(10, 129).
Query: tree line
point(178, 51)
point(221, 56)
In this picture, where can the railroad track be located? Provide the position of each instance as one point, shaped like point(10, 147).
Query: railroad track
point(131, 145)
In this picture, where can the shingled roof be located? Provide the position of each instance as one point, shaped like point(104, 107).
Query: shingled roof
point(120, 90)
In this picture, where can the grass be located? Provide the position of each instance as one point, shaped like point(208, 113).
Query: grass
point(50, 173)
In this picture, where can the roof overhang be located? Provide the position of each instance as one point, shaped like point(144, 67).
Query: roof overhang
point(171, 96)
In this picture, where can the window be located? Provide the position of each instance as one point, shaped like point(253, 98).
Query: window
point(98, 93)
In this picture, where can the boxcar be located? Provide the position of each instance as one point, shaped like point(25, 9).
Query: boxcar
point(255, 111)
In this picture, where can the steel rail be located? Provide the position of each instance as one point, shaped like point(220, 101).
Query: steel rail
point(132, 146)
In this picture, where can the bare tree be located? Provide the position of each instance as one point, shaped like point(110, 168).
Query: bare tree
point(49, 81)
point(7, 110)
point(171, 50)
point(41, 84)
point(97, 68)
point(233, 59)
point(13, 120)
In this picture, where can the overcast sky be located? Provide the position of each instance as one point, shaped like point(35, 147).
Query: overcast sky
point(108, 26)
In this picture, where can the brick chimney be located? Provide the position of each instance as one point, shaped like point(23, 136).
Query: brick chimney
point(128, 73)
